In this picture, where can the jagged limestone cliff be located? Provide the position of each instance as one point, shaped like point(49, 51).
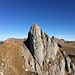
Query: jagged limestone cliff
point(43, 56)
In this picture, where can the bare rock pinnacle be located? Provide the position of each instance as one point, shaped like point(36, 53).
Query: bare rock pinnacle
point(43, 56)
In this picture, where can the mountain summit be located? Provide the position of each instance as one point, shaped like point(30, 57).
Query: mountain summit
point(43, 56)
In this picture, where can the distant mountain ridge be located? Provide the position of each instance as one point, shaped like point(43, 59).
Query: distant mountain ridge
point(14, 40)
point(61, 41)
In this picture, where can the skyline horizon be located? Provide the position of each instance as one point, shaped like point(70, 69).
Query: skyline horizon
point(22, 37)
point(55, 17)
point(66, 39)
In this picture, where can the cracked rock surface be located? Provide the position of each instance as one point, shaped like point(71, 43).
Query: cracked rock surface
point(43, 56)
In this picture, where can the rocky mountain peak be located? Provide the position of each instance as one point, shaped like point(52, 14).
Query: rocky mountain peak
point(35, 30)
point(35, 26)
point(43, 56)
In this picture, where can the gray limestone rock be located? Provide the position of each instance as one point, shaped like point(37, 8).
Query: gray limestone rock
point(43, 56)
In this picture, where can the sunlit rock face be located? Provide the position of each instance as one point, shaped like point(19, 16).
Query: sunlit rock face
point(43, 56)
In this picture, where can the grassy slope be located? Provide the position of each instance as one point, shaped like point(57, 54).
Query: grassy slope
point(11, 57)
point(70, 50)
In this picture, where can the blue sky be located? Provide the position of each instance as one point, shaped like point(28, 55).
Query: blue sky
point(55, 17)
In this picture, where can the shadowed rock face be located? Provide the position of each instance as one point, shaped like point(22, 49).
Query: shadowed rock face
point(43, 56)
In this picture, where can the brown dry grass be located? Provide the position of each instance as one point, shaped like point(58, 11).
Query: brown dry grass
point(69, 48)
point(11, 57)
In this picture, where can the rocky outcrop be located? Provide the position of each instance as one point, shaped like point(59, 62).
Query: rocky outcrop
point(59, 41)
point(43, 56)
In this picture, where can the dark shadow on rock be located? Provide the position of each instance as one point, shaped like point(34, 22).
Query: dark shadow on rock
point(66, 63)
point(29, 44)
point(71, 56)
point(59, 45)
